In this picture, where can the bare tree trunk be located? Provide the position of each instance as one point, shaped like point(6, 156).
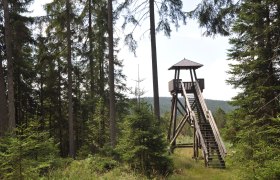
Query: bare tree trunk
point(60, 117)
point(90, 49)
point(3, 103)
point(8, 42)
point(70, 97)
point(154, 60)
point(111, 76)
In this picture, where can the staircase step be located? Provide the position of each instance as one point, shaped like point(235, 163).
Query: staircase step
point(212, 146)
point(207, 136)
point(216, 163)
point(217, 166)
point(215, 156)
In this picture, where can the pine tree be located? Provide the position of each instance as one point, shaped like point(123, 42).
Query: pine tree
point(215, 16)
point(27, 152)
point(57, 86)
point(220, 118)
point(111, 75)
point(70, 83)
point(255, 71)
point(142, 144)
point(10, 62)
point(3, 100)
point(154, 58)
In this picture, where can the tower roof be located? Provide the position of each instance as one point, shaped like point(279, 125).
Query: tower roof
point(186, 64)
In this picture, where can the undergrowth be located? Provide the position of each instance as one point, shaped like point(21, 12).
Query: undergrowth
point(96, 167)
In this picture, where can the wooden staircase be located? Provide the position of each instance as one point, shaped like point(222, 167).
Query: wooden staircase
point(215, 159)
point(207, 133)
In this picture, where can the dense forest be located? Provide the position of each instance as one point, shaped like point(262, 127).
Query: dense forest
point(63, 102)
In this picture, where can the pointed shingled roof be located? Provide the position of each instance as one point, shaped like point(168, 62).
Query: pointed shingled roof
point(186, 64)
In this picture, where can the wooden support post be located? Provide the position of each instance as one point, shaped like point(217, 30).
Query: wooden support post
point(194, 143)
point(171, 119)
point(174, 113)
point(195, 75)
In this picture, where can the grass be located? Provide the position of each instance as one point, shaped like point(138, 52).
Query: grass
point(188, 168)
point(184, 168)
point(86, 169)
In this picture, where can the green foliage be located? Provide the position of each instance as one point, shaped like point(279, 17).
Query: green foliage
point(220, 118)
point(185, 167)
point(216, 16)
point(102, 164)
point(142, 145)
point(95, 135)
point(169, 13)
point(253, 127)
point(27, 152)
point(257, 150)
point(94, 167)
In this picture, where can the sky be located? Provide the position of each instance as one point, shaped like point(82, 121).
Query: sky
point(186, 42)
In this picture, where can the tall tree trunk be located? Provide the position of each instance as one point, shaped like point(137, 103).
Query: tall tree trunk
point(70, 98)
point(3, 105)
point(111, 76)
point(102, 135)
point(90, 49)
point(42, 112)
point(60, 116)
point(8, 42)
point(154, 60)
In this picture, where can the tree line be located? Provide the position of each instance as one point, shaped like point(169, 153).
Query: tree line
point(56, 68)
point(67, 58)
point(61, 82)
point(61, 79)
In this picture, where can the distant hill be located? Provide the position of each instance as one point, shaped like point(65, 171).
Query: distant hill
point(213, 105)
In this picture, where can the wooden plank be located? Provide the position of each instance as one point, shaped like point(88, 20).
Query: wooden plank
point(193, 117)
point(179, 128)
point(211, 120)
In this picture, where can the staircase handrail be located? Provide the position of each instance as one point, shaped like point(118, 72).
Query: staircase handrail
point(192, 114)
point(211, 120)
point(221, 144)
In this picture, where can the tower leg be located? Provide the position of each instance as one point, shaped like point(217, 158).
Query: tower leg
point(172, 125)
point(194, 144)
point(171, 120)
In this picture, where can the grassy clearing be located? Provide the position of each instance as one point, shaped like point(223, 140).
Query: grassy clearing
point(184, 168)
point(187, 168)
point(82, 170)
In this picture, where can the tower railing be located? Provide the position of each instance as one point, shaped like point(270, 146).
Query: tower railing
point(211, 120)
point(176, 85)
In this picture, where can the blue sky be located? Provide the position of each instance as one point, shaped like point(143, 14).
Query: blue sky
point(188, 43)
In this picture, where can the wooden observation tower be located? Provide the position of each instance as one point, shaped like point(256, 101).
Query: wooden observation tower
point(194, 113)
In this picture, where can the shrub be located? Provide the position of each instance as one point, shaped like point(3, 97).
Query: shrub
point(26, 152)
point(142, 145)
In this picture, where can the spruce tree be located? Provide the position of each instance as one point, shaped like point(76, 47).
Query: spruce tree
point(142, 143)
point(255, 71)
point(3, 105)
point(10, 62)
point(27, 153)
